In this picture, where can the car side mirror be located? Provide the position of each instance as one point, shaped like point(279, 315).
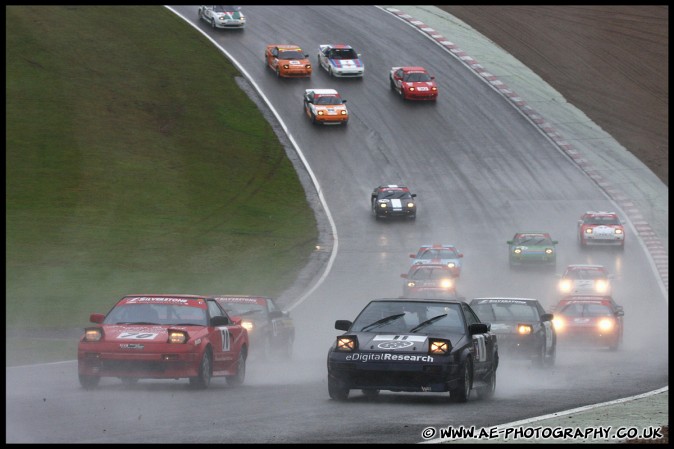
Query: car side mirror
point(224, 321)
point(547, 317)
point(554, 242)
point(414, 195)
point(460, 255)
point(619, 312)
point(96, 318)
point(478, 328)
point(413, 256)
point(343, 325)
point(403, 275)
point(306, 56)
point(509, 242)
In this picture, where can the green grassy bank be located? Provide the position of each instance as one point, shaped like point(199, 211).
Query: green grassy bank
point(135, 164)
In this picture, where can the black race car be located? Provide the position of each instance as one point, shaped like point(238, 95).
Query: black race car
point(412, 345)
point(393, 200)
point(270, 329)
point(523, 327)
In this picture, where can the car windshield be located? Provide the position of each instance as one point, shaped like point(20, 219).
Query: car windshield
point(290, 55)
point(506, 312)
point(444, 253)
point(164, 314)
point(586, 310)
point(416, 77)
point(585, 274)
point(430, 273)
point(226, 8)
point(327, 100)
point(244, 309)
point(602, 220)
point(395, 194)
point(348, 53)
point(404, 316)
point(534, 240)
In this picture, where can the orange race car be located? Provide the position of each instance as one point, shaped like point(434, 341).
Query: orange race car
point(325, 106)
point(287, 61)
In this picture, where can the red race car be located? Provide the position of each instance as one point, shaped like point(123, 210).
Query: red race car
point(413, 83)
point(589, 320)
point(601, 228)
point(430, 280)
point(163, 337)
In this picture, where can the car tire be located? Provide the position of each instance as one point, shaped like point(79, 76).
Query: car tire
point(462, 392)
point(278, 72)
point(89, 382)
point(371, 394)
point(203, 380)
point(213, 24)
point(487, 392)
point(240, 375)
point(391, 83)
point(539, 358)
point(549, 361)
point(336, 390)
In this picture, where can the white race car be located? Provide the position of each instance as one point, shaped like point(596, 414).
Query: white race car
point(340, 60)
point(221, 16)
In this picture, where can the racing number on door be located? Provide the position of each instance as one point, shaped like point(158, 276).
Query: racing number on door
point(480, 348)
point(224, 333)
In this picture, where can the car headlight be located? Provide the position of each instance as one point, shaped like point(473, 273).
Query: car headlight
point(177, 337)
point(383, 205)
point(606, 324)
point(248, 325)
point(558, 323)
point(601, 286)
point(565, 285)
point(411, 89)
point(548, 251)
point(320, 113)
point(410, 204)
point(446, 283)
point(438, 347)
point(343, 112)
point(93, 334)
point(308, 66)
point(517, 250)
point(434, 88)
point(411, 284)
point(286, 66)
point(347, 343)
point(451, 265)
point(618, 231)
point(524, 329)
point(588, 230)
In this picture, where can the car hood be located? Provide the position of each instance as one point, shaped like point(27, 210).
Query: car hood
point(346, 63)
point(146, 333)
point(403, 342)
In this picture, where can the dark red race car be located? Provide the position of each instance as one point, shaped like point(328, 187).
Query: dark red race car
point(589, 320)
point(430, 280)
point(163, 337)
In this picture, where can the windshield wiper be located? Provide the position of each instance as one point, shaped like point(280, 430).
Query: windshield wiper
point(427, 322)
point(383, 321)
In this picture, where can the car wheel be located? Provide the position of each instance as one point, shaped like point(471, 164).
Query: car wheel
point(240, 375)
point(203, 380)
point(213, 23)
point(371, 394)
point(462, 392)
point(487, 392)
point(313, 118)
point(539, 358)
point(336, 390)
point(392, 84)
point(614, 344)
point(89, 382)
point(278, 72)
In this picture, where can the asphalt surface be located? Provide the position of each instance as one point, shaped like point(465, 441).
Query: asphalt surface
point(617, 170)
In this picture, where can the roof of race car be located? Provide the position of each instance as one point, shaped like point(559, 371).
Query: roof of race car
point(414, 69)
point(600, 213)
point(586, 299)
point(496, 299)
point(423, 300)
point(427, 266)
point(286, 46)
point(322, 91)
point(585, 267)
point(437, 246)
point(393, 187)
point(185, 300)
